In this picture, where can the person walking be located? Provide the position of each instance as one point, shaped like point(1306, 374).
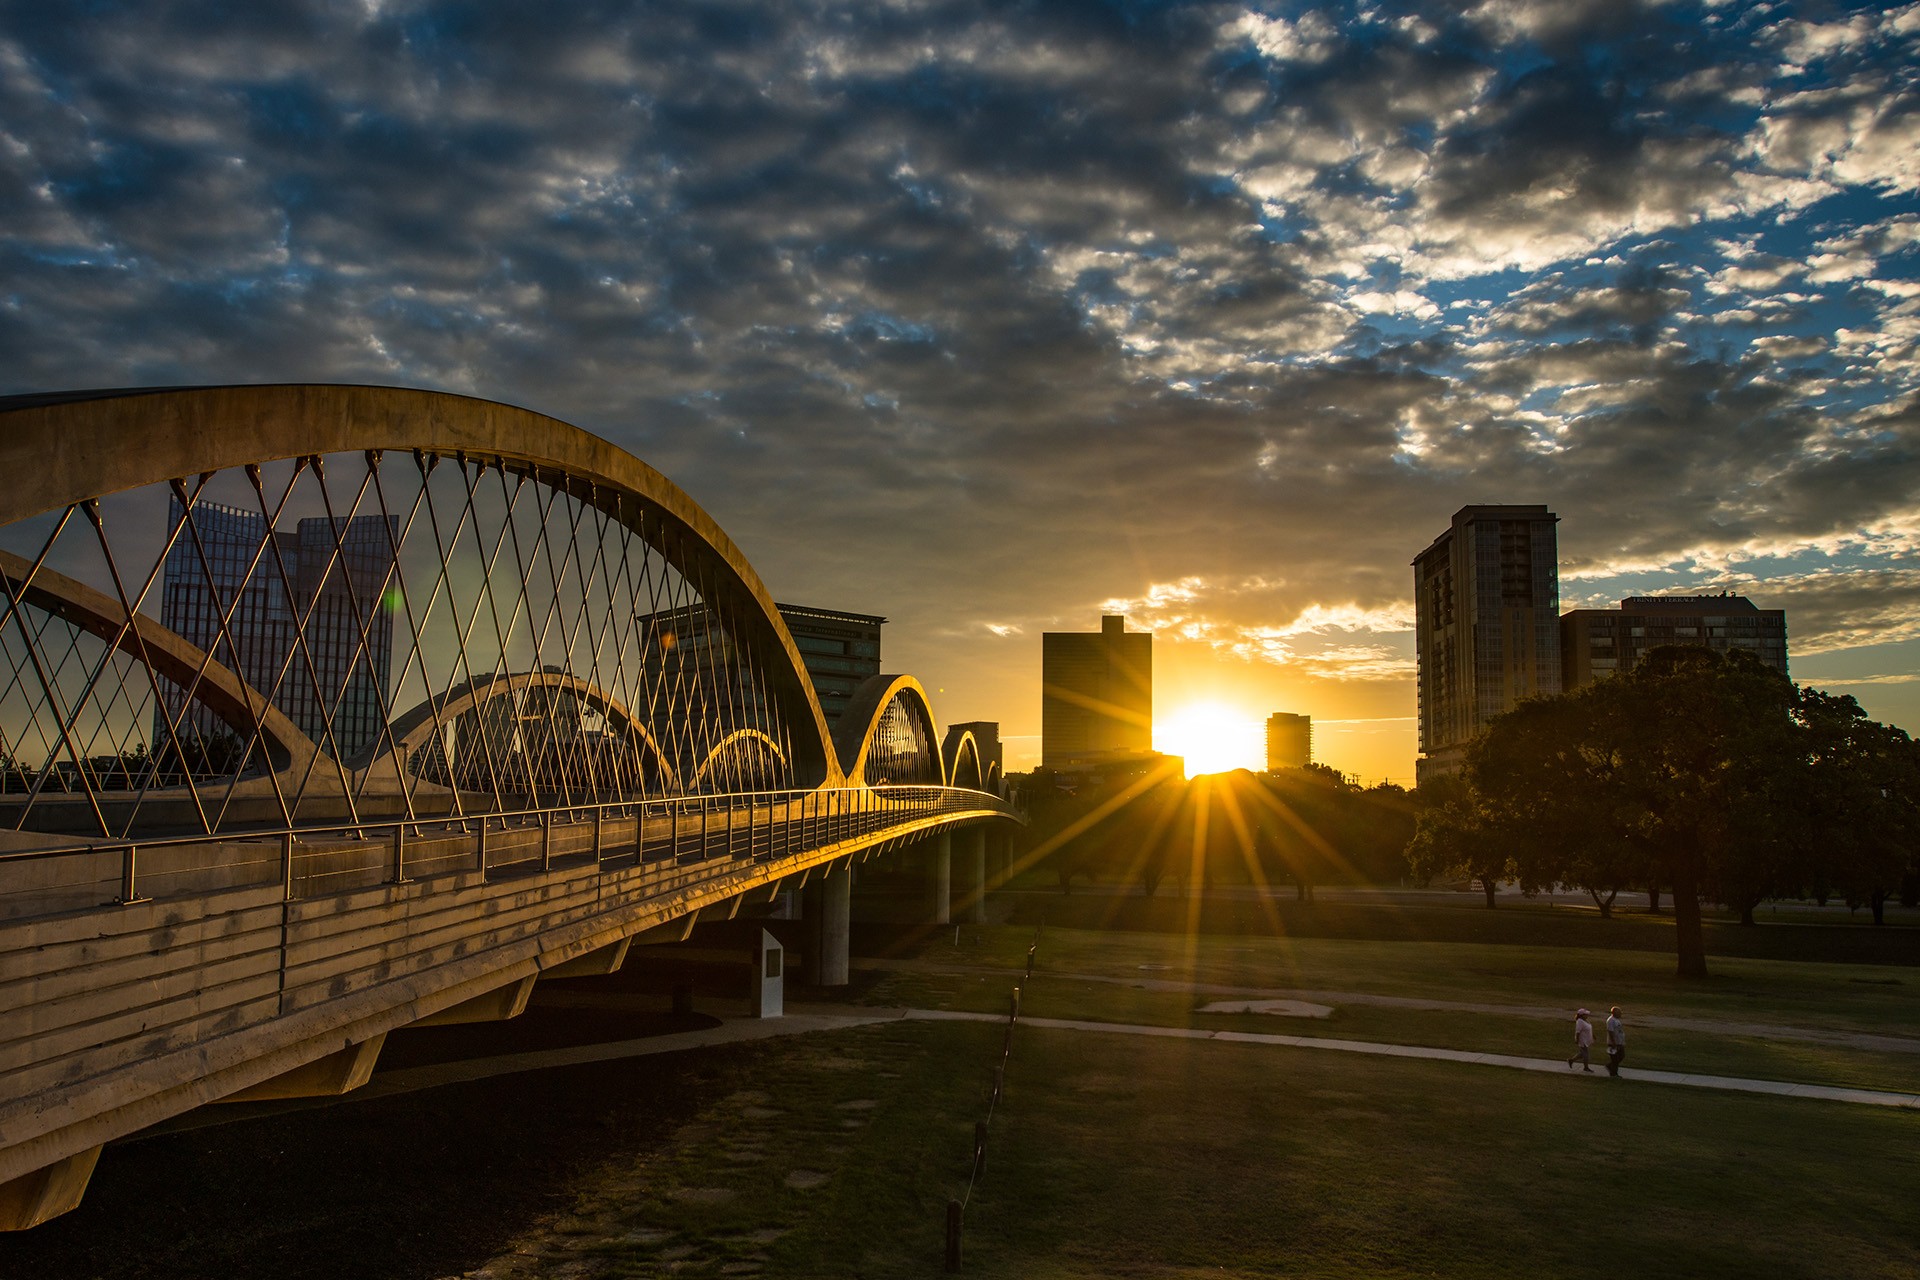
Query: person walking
point(1616, 1042)
point(1582, 1041)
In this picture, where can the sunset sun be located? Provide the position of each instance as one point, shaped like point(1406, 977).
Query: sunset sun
point(1213, 738)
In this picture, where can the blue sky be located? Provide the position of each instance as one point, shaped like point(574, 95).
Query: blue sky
point(986, 317)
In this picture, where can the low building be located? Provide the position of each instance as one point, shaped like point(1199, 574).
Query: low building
point(1595, 643)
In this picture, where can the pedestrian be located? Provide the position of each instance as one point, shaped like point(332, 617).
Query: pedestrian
point(1582, 1041)
point(1616, 1042)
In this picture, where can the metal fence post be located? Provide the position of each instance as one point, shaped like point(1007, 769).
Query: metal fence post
point(129, 876)
point(286, 867)
point(399, 853)
point(599, 833)
point(480, 852)
point(546, 842)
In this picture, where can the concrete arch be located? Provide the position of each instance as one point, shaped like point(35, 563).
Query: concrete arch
point(244, 708)
point(416, 728)
point(73, 446)
point(717, 754)
point(853, 738)
point(964, 769)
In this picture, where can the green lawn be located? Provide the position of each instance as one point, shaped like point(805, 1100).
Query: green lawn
point(1129, 1156)
point(1460, 918)
point(1125, 1155)
point(1828, 997)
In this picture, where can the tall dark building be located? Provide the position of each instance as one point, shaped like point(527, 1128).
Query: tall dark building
point(1096, 694)
point(1595, 643)
point(841, 651)
point(308, 624)
point(1289, 741)
point(1486, 624)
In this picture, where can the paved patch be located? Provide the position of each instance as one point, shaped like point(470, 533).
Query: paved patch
point(1278, 1008)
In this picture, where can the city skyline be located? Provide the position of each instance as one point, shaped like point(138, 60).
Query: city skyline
point(994, 322)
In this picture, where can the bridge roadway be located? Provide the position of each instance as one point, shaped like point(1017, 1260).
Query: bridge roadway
point(140, 980)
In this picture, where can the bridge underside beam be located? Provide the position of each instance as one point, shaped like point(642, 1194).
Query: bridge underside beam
point(339, 1072)
point(497, 1005)
point(593, 964)
point(32, 1198)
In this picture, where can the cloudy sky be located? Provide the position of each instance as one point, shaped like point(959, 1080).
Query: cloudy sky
point(991, 317)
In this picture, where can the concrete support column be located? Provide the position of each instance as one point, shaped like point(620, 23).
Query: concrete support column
point(836, 914)
point(996, 859)
point(971, 847)
point(812, 923)
point(32, 1198)
point(938, 853)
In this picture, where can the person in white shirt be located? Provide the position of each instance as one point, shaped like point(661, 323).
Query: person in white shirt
point(1582, 1041)
point(1616, 1042)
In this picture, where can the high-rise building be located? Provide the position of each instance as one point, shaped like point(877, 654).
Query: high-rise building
point(1595, 643)
point(301, 616)
point(840, 650)
point(1096, 698)
point(688, 645)
point(1486, 625)
point(1289, 741)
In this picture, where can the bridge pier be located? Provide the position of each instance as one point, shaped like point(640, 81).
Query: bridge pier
point(827, 911)
point(971, 845)
point(999, 859)
point(936, 853)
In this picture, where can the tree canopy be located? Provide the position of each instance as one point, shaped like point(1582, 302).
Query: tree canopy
point(1702, 771)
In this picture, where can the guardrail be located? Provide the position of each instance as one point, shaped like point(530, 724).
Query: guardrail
point(315, 861)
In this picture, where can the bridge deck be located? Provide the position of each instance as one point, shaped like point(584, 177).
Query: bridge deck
point(236, 961)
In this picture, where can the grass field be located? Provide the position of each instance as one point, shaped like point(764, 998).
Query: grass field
point(1127, 1156)
point(1124, 1155)
point(1112, 1155)
point(1460, 917)
point(1830, 998)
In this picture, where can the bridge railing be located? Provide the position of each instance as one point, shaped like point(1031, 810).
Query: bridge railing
point(315, 861)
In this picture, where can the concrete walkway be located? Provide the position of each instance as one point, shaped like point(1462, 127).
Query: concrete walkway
point(1556, 1066)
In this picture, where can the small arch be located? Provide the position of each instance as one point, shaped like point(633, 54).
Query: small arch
point(886, 706)
point(745, 745)
point(419, 729)
point(964, 770)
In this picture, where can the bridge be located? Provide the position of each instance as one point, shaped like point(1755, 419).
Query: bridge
point(329, 711)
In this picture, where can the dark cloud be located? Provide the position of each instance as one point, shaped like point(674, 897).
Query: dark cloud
point(973, 313)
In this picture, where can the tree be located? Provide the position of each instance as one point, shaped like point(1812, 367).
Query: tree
point(1452, 836)
point(1691, 766)
point(1863, 802)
